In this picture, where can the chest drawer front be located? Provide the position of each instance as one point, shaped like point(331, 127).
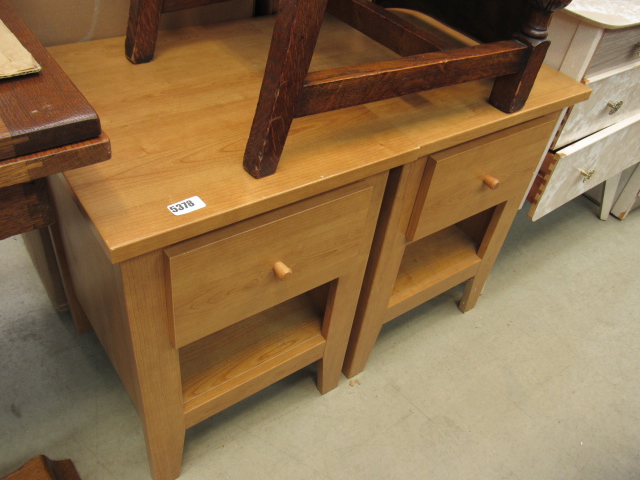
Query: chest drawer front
point(453, 186)
point(595, 114)
point(600, 156)
point(224, 277)
point(618, 48)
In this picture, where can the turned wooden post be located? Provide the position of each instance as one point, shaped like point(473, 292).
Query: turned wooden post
point(510, 92)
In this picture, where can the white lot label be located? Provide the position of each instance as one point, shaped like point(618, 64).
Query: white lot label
point(187, 206)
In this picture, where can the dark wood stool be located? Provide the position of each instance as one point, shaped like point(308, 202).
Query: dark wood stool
point(42, 468)
point(514, 43)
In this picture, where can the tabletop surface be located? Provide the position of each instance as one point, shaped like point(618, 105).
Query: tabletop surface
point(609, 14)
point(42, 110)
point(179, 125)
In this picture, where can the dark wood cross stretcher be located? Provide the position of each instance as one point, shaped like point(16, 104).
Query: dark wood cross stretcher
point(514, 43)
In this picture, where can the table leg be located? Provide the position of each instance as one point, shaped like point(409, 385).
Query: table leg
point(608, 195)
point(385, 258)
point(156, 364)
point(489, 248)
point(336, 327)
point(629, 196)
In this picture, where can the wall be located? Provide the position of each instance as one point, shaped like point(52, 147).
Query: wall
point(57, 22)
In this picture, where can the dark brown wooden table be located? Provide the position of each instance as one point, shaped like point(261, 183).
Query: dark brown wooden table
point(46, 127)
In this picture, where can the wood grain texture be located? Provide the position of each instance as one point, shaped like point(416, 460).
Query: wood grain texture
point(142, 30)
point(344, 295)
point(43, 468)
point(92, 283)
point(452, 188)
point(436, 254)
point(294, 39)
point(44, 110)
point(430, 267)
point(488, 251)
point(230, 365)
point(147, 337)
point(385, 257)
point(199, 152)
point(319, 239)
point(486, 21)
point(42, 252)
point(421, 252)
point(511, 92)
point(56, 160)
point(24, 207)
point(617, 48)
point(348, 86)
point(174, 5)
point(386, 28)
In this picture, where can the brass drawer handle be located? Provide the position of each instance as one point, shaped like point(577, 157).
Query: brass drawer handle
point(282, 271)
point(491, 182)
point(614, 106)
point(586, 176)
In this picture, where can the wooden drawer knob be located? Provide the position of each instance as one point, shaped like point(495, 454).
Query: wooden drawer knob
point(282, 271)
point(491, 182)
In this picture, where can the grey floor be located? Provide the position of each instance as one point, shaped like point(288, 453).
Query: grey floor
point(539, 381)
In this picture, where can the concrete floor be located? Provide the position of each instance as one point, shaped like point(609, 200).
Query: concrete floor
point(540, 381)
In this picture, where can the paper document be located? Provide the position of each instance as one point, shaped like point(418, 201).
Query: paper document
point(14, 58)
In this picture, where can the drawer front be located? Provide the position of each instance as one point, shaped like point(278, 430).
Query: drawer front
point(453, 187)
point(226, 276)
point(601, 156)
point(595, 114)
point(618, 48)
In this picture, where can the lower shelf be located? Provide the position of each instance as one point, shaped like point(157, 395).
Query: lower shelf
point(233, 363)
point(431, 266)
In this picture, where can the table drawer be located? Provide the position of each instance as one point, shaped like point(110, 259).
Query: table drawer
point(595, 114)
point(453, 186)
point(600, 156)
point(228, 275)
point(617, 48)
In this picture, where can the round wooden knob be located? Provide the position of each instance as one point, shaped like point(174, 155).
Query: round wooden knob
point(282, 271)
point(491, 182)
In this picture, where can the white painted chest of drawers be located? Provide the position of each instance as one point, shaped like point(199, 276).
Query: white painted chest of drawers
point(598, 141)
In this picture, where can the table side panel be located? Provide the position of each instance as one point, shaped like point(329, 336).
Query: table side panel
point(96, 282)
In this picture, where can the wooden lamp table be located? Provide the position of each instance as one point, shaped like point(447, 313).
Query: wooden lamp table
point(200, 310)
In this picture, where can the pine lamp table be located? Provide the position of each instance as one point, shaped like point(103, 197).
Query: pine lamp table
point(204, 284)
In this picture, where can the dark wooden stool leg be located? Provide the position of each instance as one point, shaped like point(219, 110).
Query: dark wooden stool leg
point(142, 30)
point(510, 92)
point(294, 39)
point(42, 468)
